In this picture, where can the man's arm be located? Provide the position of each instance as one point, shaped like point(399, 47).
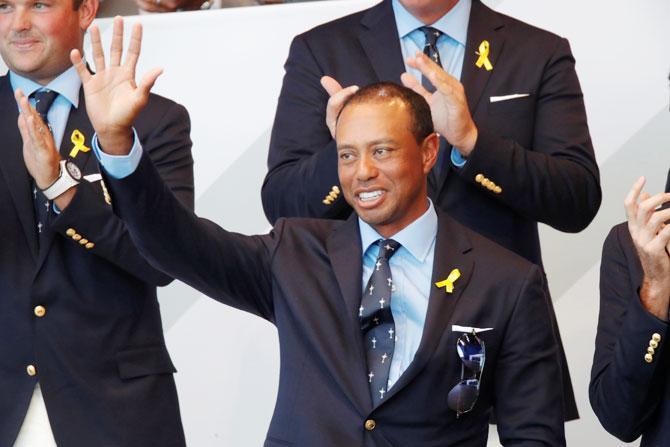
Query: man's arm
point(528, 397)
point(302, 162)
point(554, 181)
point(630, 363)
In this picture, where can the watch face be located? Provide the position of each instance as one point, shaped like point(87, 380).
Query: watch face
point(73, 170)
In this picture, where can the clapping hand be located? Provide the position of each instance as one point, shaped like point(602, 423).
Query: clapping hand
point(448, 104)
point(651, 237)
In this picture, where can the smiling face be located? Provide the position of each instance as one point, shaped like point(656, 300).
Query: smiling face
point(36, 37)
point(382, 167)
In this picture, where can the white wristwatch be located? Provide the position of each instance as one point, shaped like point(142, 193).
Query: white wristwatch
point(70, 176)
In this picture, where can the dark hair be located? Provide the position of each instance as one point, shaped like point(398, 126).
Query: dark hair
point(422, 121)
point(77, 3)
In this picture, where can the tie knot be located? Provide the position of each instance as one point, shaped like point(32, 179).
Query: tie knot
point(388, 248)
point(43, 100)
point(432, 34)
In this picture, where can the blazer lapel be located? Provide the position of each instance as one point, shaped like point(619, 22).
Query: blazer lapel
point(344, 250)
point(452, 249)
point(13, 167)
point(484, 24)
point(380, 41)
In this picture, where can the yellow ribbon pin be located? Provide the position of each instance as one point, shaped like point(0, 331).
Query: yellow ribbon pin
point(484, 49)
point(78, 140)
point(448, 283)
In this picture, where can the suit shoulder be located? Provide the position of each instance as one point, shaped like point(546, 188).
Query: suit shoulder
point(524, 35)
point(343, 27)
point(305, 227)
point(490, 254)
point(160, 109)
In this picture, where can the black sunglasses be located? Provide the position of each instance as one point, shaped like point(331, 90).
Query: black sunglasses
point(471, 350)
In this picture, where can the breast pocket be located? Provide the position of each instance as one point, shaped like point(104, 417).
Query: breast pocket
point(144, 361)
point(514, 106)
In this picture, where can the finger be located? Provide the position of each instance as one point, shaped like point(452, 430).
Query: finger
point(116, 49)
point(23, 128)
point(338, 99)
point(437, 76)
point(96, 46)
point(630, 202)
point(148, 81)
point(661, 241)
point(24, 105)
point(412, 83)
point(331, 85)
point(80, 66)
point(658, 219)
point(134, 47)
point(646, 208)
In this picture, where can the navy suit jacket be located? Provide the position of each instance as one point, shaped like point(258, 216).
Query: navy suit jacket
point(305, 277)
point(99, 351)
point(630, 396)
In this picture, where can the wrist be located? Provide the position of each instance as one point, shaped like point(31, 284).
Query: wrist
point(49, 177)
point(116, 142)
point(655, 299)
point(469, 142)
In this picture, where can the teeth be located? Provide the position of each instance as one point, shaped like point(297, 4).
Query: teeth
point(364, 196)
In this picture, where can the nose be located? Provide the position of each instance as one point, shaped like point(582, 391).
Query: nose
point(366, 168)
point(21, 19)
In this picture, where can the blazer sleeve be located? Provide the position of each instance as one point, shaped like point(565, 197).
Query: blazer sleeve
point(527, 400)
point(302, 160)
point(625, 389)
point(169, 145)
point(555, 181)
point(232, 268)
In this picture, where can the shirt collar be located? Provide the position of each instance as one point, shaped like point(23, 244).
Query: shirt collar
point(67, 84)
point(454, 23)
point(416, 237)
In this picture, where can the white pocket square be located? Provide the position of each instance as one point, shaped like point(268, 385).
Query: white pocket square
point(469, 329)
point(508, 97)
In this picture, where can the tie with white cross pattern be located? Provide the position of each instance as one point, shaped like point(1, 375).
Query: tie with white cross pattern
point(430, 50)
point(43, 101)
point(377, 321)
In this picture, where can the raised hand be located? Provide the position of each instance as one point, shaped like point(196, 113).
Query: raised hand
point(113, 99)
point(448, 105)
point(338, 96)
point(651, 237)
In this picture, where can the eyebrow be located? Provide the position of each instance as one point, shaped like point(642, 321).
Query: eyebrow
point(370, 143)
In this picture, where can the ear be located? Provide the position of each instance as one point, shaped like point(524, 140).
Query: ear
point(87, 12)
point(429, 150)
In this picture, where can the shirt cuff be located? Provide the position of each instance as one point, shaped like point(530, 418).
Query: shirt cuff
point(457, 159)
point(119, 166)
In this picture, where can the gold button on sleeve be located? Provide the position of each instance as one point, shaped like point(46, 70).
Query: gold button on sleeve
point(39, 311)
point(653, 344)
point(30, 369)
point(370, 424)
point(70, 232)
point(497, 189)
point(648, 358)
point(76, 237)
point(336, 189)
point(83, 241)
point(479, 178)
point(656, 337)
point(651, 350)
point(89, 245)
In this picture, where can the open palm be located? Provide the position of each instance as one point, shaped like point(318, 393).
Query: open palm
point(113, 99)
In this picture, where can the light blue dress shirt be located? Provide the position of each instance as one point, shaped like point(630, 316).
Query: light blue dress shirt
point(450, 45)
point(412, 269)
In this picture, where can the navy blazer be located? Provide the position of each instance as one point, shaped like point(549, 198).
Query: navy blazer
point(99, 350)
point(629, 394)
point(305, 277)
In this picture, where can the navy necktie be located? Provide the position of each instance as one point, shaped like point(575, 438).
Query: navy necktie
point(377, 322)
point(43, 101)
point(430, 50)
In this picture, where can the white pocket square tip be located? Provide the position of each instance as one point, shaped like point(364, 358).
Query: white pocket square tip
point(508, 97)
